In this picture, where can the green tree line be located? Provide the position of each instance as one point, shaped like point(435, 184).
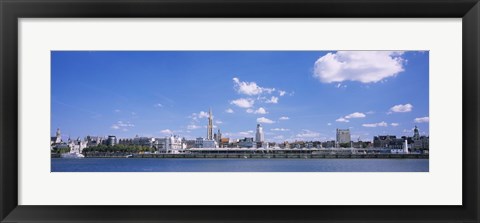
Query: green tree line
point(61, 150)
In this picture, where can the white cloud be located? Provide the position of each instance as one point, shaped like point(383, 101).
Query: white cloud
point(249, 110)
point(245, 133)
point(243, 102)
point(166, 132)
point(196, 116)
point(355, 115)
point(122, 125)
point(117, 110)
point(394, 124)
point(264, 120)
point(158, 105)
point(193, 126)
point(280, 129)
point(281, 93)
point(329, 123)
point(260, 111)
point(272, 100)
point(339, 85)
point(342, 119)
point(218, 122)
point(250, 88)
point(308, 134)
point(362, 66)
point(268, 90)
point(229, 111)
point(284, 118)
point(202, 114)
point(373, 125)
point(422, 120)
point(401, 108)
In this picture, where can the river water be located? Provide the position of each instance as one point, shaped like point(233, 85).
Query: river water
point(238, 165)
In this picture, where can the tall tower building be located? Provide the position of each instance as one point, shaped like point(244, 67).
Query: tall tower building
point(343, 136)
point(219, 136)
point(259, 137)
point(210, 125)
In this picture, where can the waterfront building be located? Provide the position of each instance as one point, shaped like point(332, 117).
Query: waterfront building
point(343, 137)
point(328, 144)
point(77, 146)
point(383, 141)
point(171, 144)
point(297, 145)
point(199, 142)
point(246, 143)
point(210, 126)
point(143, 141)
point(189, 143)
point(209, 143)
point(94, 140)
point(397, 143)
point(224, 142)
point(205, 143)
point(361, 144)
point(111, 140)
point(125, 141)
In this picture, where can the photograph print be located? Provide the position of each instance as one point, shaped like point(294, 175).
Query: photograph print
point(239, 111)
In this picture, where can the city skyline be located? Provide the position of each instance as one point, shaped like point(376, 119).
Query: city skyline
point(295, 95)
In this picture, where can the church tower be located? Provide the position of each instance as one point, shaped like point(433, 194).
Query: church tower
point(58, 138)
point(416, 134)
point(210, 125)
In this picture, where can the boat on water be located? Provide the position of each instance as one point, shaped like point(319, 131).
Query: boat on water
point(72, 155)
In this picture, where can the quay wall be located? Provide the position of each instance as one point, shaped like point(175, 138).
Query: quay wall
point(273, 156)
point(259, 156)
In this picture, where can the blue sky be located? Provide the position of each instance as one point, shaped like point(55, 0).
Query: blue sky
point(295, 95)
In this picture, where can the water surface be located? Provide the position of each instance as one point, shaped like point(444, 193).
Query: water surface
point(238, 165)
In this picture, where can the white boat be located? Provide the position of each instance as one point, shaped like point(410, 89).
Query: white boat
point(72, 155)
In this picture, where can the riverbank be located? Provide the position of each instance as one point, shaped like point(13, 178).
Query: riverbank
point(266, 156)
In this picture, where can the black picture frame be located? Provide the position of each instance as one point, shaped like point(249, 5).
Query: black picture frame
point(12, 10)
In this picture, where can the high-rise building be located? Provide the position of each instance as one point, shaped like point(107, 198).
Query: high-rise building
point(343, 136)
point(259, 136)
point(210, 126)
point(218, 136)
